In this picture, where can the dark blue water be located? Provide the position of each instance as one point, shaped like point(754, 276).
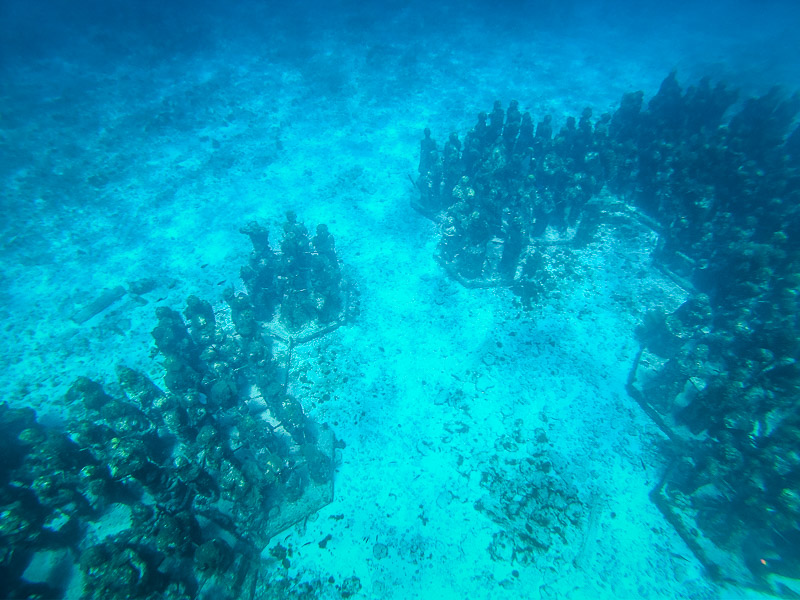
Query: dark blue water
point(571, 375)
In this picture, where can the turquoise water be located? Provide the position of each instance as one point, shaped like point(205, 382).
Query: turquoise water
point(485, 446)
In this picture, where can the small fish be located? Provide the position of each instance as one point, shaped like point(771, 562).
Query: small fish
point(679, 556)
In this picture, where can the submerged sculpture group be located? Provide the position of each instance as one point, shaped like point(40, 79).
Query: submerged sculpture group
point(201, 475)
point(720, 375)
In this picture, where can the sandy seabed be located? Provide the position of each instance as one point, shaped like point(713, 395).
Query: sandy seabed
point(126, 173)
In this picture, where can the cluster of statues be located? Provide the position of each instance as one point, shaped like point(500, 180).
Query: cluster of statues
point(719, 182)
point(202, 474)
